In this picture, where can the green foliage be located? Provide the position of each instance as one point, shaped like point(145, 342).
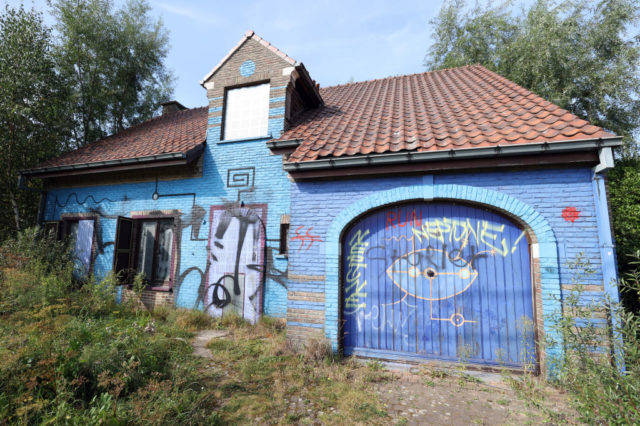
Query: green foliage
point(33, 124)
point(104, 72)
point(71, 355)
point(36, 271)
point(260, 378)
point(624, 199)
point(113, 60)
point(600, 337)
point(576, 54)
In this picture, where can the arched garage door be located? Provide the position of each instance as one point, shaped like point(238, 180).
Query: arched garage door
point(437, 281)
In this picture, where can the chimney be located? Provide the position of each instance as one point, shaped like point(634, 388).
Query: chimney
point(171, 106)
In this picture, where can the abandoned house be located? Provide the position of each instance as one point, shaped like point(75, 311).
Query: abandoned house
point(425, 216)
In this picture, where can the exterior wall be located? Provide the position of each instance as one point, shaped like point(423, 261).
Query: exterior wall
point(232, 172)
point(542, 200)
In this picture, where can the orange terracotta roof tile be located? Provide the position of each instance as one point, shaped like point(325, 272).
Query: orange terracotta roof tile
point(176, 132)
point(457, 108)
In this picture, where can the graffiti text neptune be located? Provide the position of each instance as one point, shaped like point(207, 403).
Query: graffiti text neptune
point(462, 231)
point(465, 231)
point(354, 286)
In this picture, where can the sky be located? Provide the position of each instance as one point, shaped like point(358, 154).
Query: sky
point(337, 41)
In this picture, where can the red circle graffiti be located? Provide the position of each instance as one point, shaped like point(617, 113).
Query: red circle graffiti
point(570, 214)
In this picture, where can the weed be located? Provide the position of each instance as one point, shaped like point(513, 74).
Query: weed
point(317, 349)
point(193, 320)
point(601, 366)
point(72, 355)
point(438, 373)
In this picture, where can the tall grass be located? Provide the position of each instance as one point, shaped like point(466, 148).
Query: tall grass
point(70, 354)
point(601, 367)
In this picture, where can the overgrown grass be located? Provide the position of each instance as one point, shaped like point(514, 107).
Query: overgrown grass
point(71, 355)
point(259, 376)
point(601, 368)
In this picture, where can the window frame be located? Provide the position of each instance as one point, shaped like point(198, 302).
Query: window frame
point(138, 219)
point(283, 248)
point(224, 123)
point(62, 232)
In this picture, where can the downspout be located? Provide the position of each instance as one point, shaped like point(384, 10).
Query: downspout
point(607, 248)
point(43, 197)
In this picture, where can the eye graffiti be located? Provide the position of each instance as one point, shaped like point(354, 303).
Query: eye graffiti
point(418, 274)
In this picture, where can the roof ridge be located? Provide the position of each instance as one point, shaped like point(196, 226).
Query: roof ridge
point(402, 75)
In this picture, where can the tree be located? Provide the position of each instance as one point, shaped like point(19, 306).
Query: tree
point(624, 200)
point(33, 110)
point(114, 62)
point(576, 54)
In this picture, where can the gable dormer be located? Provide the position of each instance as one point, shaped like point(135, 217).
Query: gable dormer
point(256, 92)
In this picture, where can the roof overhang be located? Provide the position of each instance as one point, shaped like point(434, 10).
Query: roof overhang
point(316, 167)
point(151, 161)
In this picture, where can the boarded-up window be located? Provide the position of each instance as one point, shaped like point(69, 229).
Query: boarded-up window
point(83, 233)
point(79, 233)
point(247, 112)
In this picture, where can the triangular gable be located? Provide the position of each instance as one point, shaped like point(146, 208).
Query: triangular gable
point(250, 34)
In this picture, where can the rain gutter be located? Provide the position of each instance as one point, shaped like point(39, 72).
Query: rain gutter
point(454, 154)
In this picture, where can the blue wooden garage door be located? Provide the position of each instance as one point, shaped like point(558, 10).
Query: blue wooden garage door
point(438, 281)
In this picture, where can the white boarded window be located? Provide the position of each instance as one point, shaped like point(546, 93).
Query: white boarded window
point(247, 112)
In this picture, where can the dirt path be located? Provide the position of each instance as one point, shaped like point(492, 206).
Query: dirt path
point(417, 395)
point(202, 338)
point(445, 398)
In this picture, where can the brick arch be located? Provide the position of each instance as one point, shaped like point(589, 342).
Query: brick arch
point(544, 260)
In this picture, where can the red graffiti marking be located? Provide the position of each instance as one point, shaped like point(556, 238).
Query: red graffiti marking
point(409, 217)
point(570, 214)
point(304, 238)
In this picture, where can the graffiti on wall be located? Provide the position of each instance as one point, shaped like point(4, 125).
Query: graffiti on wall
point(238, 257)
point(417, 278)
point(570, 214)
point(306, 238)
point(242, 179)
point(236, 250)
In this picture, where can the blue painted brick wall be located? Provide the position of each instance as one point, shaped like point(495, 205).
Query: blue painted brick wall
point(272, 188)
point(538, 197)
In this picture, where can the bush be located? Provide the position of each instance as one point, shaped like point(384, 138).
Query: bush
point(36, 270)
point(624, 199)
point(70, 354)
point(601, 367)
point(193, 320)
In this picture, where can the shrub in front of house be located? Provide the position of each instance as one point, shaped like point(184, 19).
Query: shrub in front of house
point(71, 354)
point(601, 367)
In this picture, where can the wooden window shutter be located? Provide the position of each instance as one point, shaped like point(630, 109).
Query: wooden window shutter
point(123, 254)
point(53, 227)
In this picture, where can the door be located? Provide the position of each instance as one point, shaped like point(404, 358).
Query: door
point(438, 281)
point(236, 256)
